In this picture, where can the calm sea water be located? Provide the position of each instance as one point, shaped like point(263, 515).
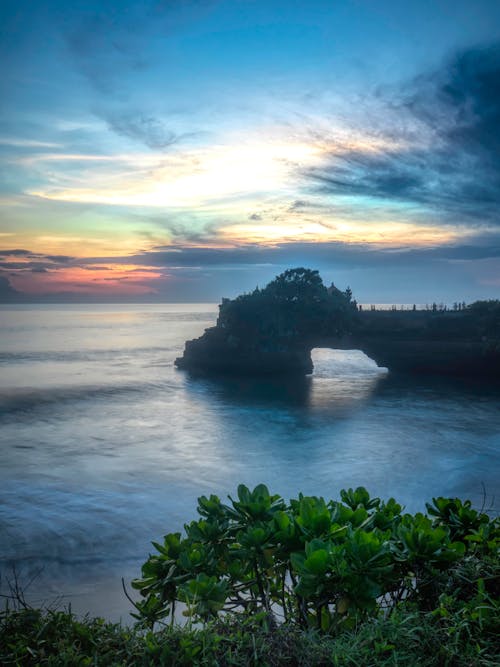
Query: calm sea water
point(105, 446)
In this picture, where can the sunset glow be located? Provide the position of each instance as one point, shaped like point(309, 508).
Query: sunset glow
point(192, 178)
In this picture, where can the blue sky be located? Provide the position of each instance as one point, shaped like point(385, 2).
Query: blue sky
point(190, 150)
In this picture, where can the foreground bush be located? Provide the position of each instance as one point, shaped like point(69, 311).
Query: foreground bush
point(315, 563)
point(268, 583)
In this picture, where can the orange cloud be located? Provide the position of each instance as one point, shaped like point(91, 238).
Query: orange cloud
point(98, 279)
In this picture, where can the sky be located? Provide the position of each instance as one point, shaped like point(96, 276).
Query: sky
point(186, 150)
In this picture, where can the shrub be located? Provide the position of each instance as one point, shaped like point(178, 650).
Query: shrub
point(310, 562)
point(309, 582)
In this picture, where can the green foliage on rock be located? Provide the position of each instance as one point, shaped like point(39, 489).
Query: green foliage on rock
point(482, 318)
point(296, 304)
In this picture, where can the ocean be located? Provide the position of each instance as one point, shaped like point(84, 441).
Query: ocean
point(105, 445)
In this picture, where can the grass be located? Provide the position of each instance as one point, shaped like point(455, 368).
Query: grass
point(455, 635)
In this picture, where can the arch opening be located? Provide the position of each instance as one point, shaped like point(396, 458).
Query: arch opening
point(330, 362)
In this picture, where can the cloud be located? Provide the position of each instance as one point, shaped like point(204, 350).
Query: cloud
point(331, 254)
point(179, 273)
point(376, 273)
point(299, 204)
point(17, 252)
point(7, 292)
point(103, 45)
point(453, 167)
point(122, 54)
point(20, 260)
point(60, 259)
point(29, 254)
point(110, 40)
point(144, 128)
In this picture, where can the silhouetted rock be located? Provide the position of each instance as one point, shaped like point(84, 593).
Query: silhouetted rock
point(461, 343)
point(273, 330)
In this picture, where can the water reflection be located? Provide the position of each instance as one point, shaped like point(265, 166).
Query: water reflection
point(284, 392)
point(341, 380)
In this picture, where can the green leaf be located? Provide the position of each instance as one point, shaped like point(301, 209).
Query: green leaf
point(317, 562)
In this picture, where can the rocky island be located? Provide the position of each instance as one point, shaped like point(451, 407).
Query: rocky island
point(273, 330)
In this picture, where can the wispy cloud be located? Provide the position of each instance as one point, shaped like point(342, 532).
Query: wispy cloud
point(454, 170)
point(28, 143)
point(106, 41)
point(143, 128)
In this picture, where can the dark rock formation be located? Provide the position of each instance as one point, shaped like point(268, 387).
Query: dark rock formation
point(461, 343)
point(272, 331)
point(431, 357)
point(216, 352)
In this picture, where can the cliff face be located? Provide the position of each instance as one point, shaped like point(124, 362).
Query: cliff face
point(460, 357)
point(273, 331)
point(460, 343)
point(219, 352)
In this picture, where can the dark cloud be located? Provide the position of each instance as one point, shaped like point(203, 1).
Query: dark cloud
point(108, 39)
point(329, 254)
point(298, 204)
point(465, 100)
point(187, 231)
point(111, 46)
point(35, 262)
point(144, 128)
point(104, 44)
point(404, 275)
point(60, 259)
point(14, 265)
point(7, 292)
point(33, 266)
point(255, 216)
point(17, 252)
point(455, 171)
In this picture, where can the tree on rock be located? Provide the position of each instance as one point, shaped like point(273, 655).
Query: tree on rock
point(295, 305)
point(296, 285)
